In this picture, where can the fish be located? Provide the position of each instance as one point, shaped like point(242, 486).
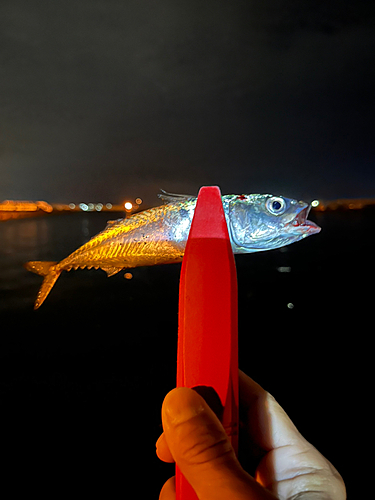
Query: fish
point(256, 222)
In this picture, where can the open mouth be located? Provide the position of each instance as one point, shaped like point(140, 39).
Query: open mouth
point(300, 221)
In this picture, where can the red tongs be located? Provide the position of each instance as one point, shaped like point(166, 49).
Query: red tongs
point(207, 354)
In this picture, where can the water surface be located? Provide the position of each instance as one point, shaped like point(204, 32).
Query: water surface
point(83, 378)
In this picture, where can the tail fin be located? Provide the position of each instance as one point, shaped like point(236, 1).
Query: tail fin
point(50, 273)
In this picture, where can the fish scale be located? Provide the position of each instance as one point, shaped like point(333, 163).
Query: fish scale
point(255, 222)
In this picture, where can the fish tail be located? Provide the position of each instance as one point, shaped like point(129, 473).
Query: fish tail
point(50, 273)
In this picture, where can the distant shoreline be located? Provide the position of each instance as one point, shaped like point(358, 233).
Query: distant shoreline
point(10, 210)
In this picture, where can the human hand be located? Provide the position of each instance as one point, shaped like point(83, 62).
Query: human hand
point(290, 467)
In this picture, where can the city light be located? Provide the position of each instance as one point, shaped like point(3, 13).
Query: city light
point(11, 209)
point(315, 203)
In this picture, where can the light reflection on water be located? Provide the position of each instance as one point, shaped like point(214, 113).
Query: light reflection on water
point(33, 239)
point(40, 238)
point(23, 237)
point(21, 240)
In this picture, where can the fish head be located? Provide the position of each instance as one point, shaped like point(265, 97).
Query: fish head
point(263, 222)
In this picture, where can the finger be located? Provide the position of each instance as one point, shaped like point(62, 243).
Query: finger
point(168, 491)
point(267, 424)
point(202, 450)
point(292, 465)
point(162, 450)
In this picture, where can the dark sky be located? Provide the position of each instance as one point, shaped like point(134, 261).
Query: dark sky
point(105, 99)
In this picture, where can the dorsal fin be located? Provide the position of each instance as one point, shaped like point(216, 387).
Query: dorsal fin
point(173, 197)
point(112, 222)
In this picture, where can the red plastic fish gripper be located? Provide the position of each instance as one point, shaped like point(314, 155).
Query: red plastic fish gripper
point(207, 353)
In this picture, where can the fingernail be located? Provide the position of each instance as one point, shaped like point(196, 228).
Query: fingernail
point(181, 405)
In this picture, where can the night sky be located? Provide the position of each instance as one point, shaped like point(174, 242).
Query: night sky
point(102, 100)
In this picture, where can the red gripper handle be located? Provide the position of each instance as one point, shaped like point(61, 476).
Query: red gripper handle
point(207, 353)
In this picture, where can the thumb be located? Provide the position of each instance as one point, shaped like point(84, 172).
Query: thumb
point(202, 450)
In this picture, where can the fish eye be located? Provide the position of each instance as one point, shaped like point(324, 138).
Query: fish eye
point(276, 205)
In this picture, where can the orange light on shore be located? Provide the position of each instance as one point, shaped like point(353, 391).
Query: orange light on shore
point(128, 205)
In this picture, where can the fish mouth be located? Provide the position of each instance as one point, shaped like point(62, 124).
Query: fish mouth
point(303, 225)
